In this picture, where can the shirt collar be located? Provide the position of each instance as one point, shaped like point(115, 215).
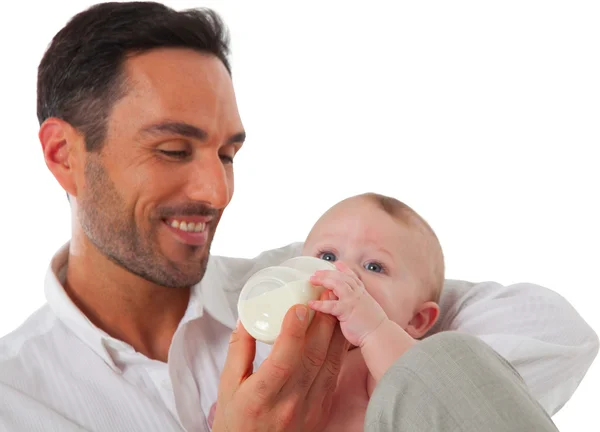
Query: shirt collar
point(64, 308)
point(212, 295)
point(203, 296)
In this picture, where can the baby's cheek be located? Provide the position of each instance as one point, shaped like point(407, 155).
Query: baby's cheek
point(398, 308)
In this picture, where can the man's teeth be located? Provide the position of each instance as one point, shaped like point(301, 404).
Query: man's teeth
point(189, 226)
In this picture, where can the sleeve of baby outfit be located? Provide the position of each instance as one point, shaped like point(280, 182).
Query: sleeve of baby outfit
point(535, 329)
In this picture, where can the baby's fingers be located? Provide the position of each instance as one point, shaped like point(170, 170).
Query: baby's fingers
point(330, 307)
point(343, 268)
point(334, 281)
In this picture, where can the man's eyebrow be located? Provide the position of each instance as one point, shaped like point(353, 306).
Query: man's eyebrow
point(178, 128)
point(187, 130)
point(238, 138)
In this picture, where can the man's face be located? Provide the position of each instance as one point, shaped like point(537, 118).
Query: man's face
point(152, 198)
point(377, 247)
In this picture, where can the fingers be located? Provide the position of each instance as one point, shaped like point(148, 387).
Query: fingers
point(324, 384)
point(284, 359)
point(301, 356)
point(326, 306)
point(314, 354)
point(341, 284)
point(344, 269)
point(238, 364)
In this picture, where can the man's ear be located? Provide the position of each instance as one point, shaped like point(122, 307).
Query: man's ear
point(424, 318)
point(62, 145)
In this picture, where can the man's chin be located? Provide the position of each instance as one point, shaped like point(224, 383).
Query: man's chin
point(182, 265)
point(194, 273)
point(175, 275)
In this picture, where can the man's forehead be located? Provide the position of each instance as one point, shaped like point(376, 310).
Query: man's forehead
point(179, 86)
point(172, 60)
point(178, 74)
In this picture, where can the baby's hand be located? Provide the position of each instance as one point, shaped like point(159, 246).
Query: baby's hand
point(359, 314)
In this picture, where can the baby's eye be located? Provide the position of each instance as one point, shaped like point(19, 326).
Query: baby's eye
point(328, 256)
point(374, 267)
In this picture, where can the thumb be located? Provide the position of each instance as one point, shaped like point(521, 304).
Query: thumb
point(238, 364)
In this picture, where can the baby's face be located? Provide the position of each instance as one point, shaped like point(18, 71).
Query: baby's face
point(381, 250)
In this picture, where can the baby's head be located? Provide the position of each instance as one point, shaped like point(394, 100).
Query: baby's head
point(392, 250)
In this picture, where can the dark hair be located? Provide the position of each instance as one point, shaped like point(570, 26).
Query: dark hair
point(81, 75)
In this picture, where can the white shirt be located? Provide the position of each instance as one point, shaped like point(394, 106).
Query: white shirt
point(58, 372)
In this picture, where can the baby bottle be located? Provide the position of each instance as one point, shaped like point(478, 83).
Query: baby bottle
point(271, 292)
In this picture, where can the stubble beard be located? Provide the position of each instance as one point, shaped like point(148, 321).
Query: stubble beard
point(112, 230)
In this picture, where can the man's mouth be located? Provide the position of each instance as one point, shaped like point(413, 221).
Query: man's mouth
point(189, 230)
point(187, 225)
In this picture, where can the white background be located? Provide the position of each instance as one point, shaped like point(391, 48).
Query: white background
point(483, 116)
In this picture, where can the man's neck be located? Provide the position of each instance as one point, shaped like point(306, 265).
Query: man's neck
point(125, 306)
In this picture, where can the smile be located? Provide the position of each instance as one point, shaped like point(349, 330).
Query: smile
point(186, 226)
point(191, 231)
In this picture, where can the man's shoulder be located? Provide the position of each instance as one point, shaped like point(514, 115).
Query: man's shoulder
point(33, 332)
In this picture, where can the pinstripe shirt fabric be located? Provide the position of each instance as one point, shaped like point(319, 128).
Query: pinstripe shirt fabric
point(58, 372)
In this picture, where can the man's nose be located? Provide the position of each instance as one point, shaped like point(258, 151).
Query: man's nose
point(209, 182)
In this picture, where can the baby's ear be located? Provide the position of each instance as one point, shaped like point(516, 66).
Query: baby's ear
point(423, 320)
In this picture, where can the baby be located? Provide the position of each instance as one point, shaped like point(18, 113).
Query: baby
point(385, 293)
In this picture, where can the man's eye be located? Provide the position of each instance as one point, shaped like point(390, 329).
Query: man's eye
point(374, 267)
point(328, 256)
point(177, 154)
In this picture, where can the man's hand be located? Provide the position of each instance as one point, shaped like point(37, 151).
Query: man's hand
point(292, 390)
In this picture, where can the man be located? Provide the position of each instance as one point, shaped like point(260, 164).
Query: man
point(140, 127)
